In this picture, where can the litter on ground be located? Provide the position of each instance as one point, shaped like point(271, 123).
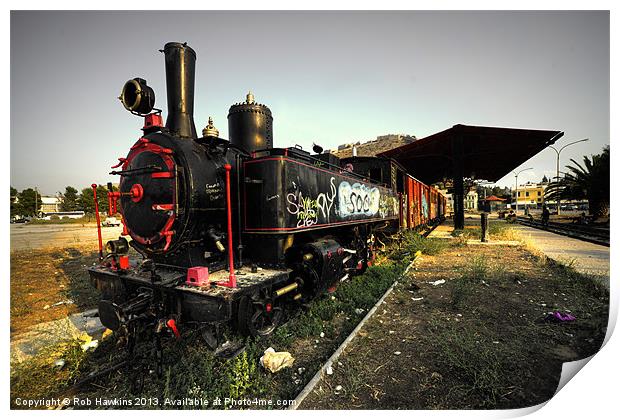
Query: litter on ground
point(92, 344)
point(275, 361)
point(558, 316)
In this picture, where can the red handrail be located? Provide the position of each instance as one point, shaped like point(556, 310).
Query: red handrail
point(94, 186)
point(232, 279)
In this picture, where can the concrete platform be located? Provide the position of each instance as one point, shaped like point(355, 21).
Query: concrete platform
point(584, 257)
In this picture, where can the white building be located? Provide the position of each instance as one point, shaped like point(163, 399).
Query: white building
point(50, 204)
point(469, 203)
point(471, 200)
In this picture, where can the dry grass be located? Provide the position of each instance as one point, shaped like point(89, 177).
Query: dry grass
point(42, 278)
point(476, 341)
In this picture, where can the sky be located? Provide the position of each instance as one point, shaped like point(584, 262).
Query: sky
point(328, 77)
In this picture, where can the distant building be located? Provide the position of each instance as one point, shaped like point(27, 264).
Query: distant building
point(471, 200)
point(50, 204)
point(531, 195)
point(373, 147)
point(64, 215)
point(494, 203)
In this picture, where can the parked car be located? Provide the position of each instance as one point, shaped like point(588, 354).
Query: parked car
point(111, 221)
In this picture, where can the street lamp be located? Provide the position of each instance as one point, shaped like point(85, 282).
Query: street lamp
point(557, 165)
point(517, 188)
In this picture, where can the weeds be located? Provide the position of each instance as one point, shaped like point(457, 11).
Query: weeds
point(39, 377)
point(497, 230)
point(243, 377)
point(477, 362)
point(473, 275)
point(413, 241)
point(586, 287)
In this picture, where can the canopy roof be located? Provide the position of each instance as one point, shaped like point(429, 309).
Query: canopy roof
point(489, 153)
point(494, 198)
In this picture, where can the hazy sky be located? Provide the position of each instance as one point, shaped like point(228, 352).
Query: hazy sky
point(328, 77)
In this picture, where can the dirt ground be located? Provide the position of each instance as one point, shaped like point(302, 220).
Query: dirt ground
point(49, 284)
point(48, 271)
point(33, 236)
point(479, 340)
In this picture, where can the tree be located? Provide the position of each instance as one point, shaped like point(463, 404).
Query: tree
point(545, 180)
point(589, 181)
point(26, 205)
point(69, 200)
point(87, 202)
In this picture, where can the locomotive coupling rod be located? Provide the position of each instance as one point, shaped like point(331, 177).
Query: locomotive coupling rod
point(286, 289)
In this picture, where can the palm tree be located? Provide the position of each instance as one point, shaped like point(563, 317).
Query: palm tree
point(589, 181)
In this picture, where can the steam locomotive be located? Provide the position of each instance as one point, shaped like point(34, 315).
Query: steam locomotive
point(235, 231)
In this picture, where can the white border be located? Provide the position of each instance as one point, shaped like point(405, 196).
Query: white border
point(592, 394)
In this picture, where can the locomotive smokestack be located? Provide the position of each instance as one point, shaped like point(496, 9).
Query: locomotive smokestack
point(180, 76)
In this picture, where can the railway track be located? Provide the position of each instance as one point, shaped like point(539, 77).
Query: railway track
point(592, 234)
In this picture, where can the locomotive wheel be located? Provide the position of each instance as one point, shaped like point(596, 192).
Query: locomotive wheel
point(254, 320)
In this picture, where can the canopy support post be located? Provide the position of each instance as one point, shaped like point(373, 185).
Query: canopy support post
point(457, 182)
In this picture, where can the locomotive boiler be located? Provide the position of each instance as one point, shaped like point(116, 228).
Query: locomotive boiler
point(231, 232)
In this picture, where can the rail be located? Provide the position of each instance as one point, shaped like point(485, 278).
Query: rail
point(597, 235)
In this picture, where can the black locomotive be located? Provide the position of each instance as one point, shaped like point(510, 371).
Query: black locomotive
point(231, 231)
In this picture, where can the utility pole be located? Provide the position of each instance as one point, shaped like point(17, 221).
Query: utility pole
point(557, 166)
point(517, 188)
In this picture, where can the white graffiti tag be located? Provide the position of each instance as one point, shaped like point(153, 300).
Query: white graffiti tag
point(303, 208)
point(357, 199)
point(325, 201)
point(308, 210)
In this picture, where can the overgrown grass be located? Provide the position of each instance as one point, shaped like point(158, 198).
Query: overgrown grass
point(497, 229)
point(587, 288)
point(413, 241)
point(38, 377)
point(476, 350)
point(478, 363)
point(472, 276)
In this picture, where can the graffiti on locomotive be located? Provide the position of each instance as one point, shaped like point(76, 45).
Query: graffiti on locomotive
point(341, 201)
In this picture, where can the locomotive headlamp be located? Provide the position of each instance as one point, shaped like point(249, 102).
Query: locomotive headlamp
point(117, 247)
point(137, 97)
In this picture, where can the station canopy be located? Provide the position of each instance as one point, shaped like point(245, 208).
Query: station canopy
point(489, 153)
